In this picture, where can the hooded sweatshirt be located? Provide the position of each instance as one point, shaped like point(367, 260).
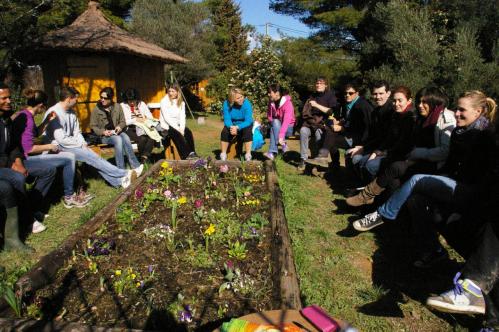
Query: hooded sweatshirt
point(285, 113)
point(65, 130)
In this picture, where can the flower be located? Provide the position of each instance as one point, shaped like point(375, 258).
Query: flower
point(210, 230)
point(230, 264)
point(138, 284)
point(139, 193)
point(133, 276)
point(224, 168)
point(182, 200)
point(165, 165)
point(168, 194)
point(185, 315)
point(247, 193)
point(198, 203)
point(200, 163)
point(150, 269)
point(117, 272)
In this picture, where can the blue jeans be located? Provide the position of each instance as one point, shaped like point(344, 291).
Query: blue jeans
point(15, 179)
point(274, 135)
point(122, 146)
point(65, 160)
point(112, 174)
point(305, 133)
point(371, 166)
point(436, 187)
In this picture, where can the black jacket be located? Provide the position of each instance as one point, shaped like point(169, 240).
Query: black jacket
point(357, 121)
point(381, 117)
point(313, 117)
point(10, 145)
point(398, 141)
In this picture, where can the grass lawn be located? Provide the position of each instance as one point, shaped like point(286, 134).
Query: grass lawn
point(364, 279)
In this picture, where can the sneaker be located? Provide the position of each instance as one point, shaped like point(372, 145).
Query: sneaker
point(85, 197)
point(139, 170)
point(192, 156)
point(320, 160)
point(465, 298)
point(285, 148)
point(126, 181)
point(38, 227)
point(223, 156)
point(369, 221)
point(269, 155)
point(247, 157)
point(301, 165)
point(429, 259)
point(73, 201)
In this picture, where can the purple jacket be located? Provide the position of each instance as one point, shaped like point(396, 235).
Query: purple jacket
point(284, 113)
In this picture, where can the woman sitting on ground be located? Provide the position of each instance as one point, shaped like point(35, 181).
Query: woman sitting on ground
point(281, 115)
point(470, 160)
point(108, 121)
point(136, 112)
point(431, 139)
point(238, 121)
point(398, 141)
point(172, 121)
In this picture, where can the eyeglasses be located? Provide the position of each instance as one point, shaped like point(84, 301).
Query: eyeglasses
point(104, 98)
point(350, 93)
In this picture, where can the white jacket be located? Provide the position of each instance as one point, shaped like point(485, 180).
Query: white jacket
point(143, 110)
point(65, 130)
point(172, 115)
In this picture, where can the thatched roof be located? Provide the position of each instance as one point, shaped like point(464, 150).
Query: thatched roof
point(92, 31)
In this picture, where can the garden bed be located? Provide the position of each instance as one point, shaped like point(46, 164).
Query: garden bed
point(187, 247)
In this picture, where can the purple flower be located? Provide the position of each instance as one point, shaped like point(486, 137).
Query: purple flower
point(230, 265)
point(224, 168)
point(200, 163)
point(139, 193)
point(198, 203)
point(150, 268)
point(253, 230)
point(185, 315)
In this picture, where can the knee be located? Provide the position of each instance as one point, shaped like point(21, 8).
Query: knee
point(276, 123)
point(304, 131)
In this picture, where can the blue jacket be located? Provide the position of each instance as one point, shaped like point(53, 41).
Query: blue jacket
point(241, 116)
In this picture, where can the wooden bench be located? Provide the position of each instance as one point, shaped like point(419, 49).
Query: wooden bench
point(171, 152)
point(235, 149)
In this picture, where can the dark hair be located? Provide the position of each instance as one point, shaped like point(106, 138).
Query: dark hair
point(35, 97)
point(321, 78)
point(108, 91)
point(131, 94)
point(276, 87)
point(353, 85)
point(432, 96)
point(4, 86)
point(379, 84)
point(67, 92)
point(403, 89)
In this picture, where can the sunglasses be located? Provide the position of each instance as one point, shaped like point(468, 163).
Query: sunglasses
point(350, 93)
point(105, 98)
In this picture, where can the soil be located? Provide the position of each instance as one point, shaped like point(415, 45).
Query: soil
point(167, 283)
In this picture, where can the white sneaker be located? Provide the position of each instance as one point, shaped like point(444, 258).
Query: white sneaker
point(38, 227)
point(223, 156)
point(139, 170)
point(127, 179)
point(247, 157)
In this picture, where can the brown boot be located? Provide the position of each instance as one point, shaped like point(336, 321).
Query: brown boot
point(366, 196)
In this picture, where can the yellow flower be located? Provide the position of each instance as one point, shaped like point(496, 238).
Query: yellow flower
point(134, 276)
point(137, 284)
point(210, 230)
point(117, 272)
point(165, 164)
point(161, 173)
point(182, 200)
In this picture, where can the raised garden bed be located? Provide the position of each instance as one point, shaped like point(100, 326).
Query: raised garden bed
point(188, 246)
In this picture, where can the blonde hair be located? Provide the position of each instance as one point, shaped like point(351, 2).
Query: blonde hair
point(481, 101)
point(232, 94)
point(177, 88)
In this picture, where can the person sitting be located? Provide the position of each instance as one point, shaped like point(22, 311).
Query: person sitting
point(11, 240)
point(380, 123)
point(316, 110)
point(64, 131)
point(350, 128)
point(137, 112)
point(108, 122)
point(470, 158)
point(431, 139)
point(238, 121)
point(281, 115)
point(48, 155)
point(172, 121)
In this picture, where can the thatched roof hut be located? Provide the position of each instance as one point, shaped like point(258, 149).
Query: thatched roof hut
point(93, 53)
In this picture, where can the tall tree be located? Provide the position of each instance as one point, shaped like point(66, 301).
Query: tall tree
point(230, 36)
point(180, 26)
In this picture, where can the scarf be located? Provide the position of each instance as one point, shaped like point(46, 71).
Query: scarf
point(432, 118)
point(479, 124)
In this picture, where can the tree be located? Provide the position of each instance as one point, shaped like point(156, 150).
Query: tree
point(22, 22)
point(180, 26)
point(230, 36)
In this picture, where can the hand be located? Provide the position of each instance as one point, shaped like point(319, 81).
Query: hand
point(52, 116)
point(19, 167)
point(313, 103)
point(282, 141)
point(107, 133)
point(117, 130)
point(356, 150)
point(337, 128)
point(233, 130)
point(372, 156)
point(53, 147)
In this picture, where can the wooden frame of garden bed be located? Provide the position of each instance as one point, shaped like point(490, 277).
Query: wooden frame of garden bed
point(287, 292)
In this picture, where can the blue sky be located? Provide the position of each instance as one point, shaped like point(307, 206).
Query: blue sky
point(257, 13)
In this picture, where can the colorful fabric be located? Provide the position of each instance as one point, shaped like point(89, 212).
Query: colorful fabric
point(239, 325)
point(285, 113)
